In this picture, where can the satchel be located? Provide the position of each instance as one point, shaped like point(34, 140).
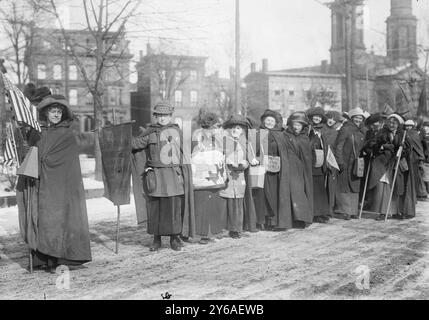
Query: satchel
point(149, 180)
point(257, 176)
point(273, 164)
point(359, 163)
point(320, 157)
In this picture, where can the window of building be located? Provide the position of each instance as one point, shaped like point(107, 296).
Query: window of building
point(193, 75)
point(162, 94)
point(89, 99)
point(41, 71)
point(72, 72)
point(46, 44)
point(120, 96)
point(277, 92)
point(113, 96)
point(178, 98)
point(178, 76)
point(58, 72)
point(73, 97)
point(291, 93)
point(194, 98)
point(163, 74)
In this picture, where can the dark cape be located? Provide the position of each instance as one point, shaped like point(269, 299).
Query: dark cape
point(320, 183)
point(52, 209)
point(272, 203)
point(301, 179)
point(384, 162)
point(417, 155)
point(144, 204)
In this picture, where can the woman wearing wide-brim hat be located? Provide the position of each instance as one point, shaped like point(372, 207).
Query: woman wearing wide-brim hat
point(300, 163)
point(348, 148)
point(56, 227)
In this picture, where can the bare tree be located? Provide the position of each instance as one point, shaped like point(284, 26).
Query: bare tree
point(18, 23)
point(105, 23)
point(321, 96)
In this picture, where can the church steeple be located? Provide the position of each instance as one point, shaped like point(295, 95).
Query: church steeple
point(346, 23)
point(401, 33)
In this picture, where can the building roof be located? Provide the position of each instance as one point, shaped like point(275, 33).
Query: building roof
point(304, 74)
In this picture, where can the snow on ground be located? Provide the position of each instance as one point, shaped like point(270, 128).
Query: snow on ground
point(100, 209)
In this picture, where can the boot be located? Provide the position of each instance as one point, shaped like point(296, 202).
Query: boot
point(156, 243)
point(175, 243)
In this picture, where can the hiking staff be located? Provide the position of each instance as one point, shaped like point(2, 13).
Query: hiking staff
point(398, 155)
point(365, 186)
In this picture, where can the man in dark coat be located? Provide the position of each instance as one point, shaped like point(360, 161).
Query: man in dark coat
point(300, 163)
point(348, 147)
point(167, 180)
point(272, 203)
point(52, 209)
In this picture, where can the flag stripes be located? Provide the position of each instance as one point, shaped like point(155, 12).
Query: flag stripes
point(24, 111)
point(10, 155)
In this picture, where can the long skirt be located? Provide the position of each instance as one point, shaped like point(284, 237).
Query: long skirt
point(210, 213)
point(332, 189)
point(347, 203)
point(41, 259)
point(165, 215)
point(261, 205)
point(420, 184)
point(235, 212)
point(320, 197)
point(266, 199)
point(379, 199)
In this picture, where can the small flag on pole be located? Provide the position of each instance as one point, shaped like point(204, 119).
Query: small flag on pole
point(330, 159)
point(24, 111)
point(10, 156)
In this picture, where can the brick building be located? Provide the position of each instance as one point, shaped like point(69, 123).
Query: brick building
point(51, 64)
point(181, 80)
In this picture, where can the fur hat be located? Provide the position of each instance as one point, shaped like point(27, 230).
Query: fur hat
point(316, 111)
point(410, 122)
point(236, 120)
point(40, 94)
point(299, 117)
point(274, 114)
point(208, 119)
point(163, 107)
point(335, 115)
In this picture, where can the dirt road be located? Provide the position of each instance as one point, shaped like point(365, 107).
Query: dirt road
point(321, 262)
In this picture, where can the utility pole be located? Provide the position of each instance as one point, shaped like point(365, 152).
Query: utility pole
point(348, 58)
point(237, 59)
point(2, 108)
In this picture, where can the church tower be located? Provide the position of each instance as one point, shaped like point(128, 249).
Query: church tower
point(401, 33)
point(346, 23)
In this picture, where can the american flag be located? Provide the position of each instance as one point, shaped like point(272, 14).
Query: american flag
point(24, 111)
point(10, 155)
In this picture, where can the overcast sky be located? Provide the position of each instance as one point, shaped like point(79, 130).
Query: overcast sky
point(290, 33)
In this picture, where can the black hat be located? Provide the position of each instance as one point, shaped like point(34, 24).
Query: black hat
point(316, 111)
point(54, 101)
point(236, 120)
point(208, 119)
point(376, 117)
point(274, 114)
point(40, 94)
point(299, 117)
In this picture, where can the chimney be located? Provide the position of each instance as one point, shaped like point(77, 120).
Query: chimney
point(324, 66)
point(141, 55)
point(148, 49)
point(264, 65)
point(253, 67)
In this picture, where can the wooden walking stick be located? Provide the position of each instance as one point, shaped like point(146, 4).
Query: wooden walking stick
point(398, 155)
point(365, 186)
point(117, 229)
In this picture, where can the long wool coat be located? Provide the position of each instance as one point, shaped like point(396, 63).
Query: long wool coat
point(164, 180)
point(56, 224)
point(346, 155)
point(301, 179)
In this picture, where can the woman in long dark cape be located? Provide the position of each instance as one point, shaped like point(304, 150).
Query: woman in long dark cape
point(52, 209)
point(301, 179)
point(272, 203)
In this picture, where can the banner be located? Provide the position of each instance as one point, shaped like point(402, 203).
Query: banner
point(330, 159)
point(115, 145)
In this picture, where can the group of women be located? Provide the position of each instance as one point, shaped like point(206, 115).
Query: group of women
point(239, 176)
